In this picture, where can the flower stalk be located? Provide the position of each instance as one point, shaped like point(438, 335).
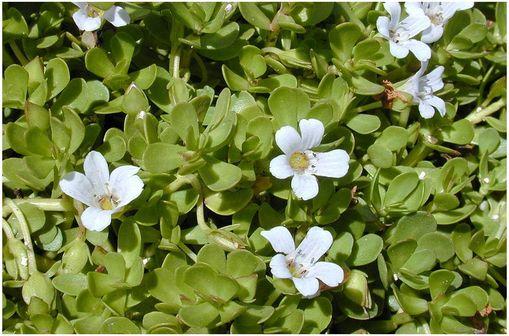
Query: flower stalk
point(25, 231)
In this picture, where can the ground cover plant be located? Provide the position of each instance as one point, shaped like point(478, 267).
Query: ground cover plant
point(254, 167)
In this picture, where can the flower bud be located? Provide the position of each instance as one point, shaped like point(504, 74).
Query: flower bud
point(356, 289)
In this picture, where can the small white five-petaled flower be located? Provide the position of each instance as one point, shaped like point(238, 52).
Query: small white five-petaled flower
point(400, 34)
point(438, 13)
point(89, 18)
point(301, 162)
point(104, 194)
point(422, 89)
point(301, 264)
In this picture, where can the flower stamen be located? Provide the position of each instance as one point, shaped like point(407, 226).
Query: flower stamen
point(299, 161)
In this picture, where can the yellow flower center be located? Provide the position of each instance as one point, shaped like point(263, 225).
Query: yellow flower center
point(299, 161)
point(93, 11)
point(296, 270)
point(106, 203)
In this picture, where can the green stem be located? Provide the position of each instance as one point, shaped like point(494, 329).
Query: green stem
point(367, 107)
point(203, 69)
point(416, 155)
point(7, 229)
point(45, 204)
point(180, 181)
point(345, 7)
point(19, 54)
point(25, 231)
point(497, 276)
point(484, 82)
point(187, 251)
point(272, 297)
point(479, 114)
point(82, 231)
point(200, 215)
point(403, 118)
point(176, 33)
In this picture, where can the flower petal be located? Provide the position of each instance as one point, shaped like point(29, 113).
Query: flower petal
point(313, 246)
point(450, 8)
point(414, 8)
point(434, 78)
point(85, 22)
point(327, 272)
point(304, 186)
point(117, 16)
point(306, 286)
point(432, 34)
point(122, 173)
point(280, 168)
point(438, 103)
point(128, 191)
point(414, 24)
point(279, 267)
point(394, 10)
point(77, 186)
point(427, 111)
point(420, 49)
point(382, 25)
point(280, 238)
point(397, 50)
point(311, 131)
point(332, 164)
point(96, 219)
point(96, 169)
point(288, 139)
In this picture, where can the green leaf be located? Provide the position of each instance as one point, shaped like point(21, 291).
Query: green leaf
point(162, 157)
point(200, 315)
point(364, 123)
point(218, 175)
point(119, 325)
point(366, 249)
point(57, 75)
point(439, 243)
point(71, 284)
point(15, 84)
point(252, 14)
point(288, 106)
point(343, 38)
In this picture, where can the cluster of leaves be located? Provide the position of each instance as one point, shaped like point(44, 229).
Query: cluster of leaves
point(193, 94)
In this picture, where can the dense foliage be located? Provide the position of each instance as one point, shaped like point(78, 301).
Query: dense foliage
point(193, 94)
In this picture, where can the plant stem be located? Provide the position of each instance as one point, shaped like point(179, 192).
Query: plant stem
point(25, 231)
point(479, 114)
point(19, 54)
point(45, 204)
point(497, 276)
point(7, 229)
point(403, 118)
point(180, 181)
point(82, 231)
point(367, 107)
point(200, 215)
point(187, 251)
point(417, 154)
point(484, 82)
point(203, 69)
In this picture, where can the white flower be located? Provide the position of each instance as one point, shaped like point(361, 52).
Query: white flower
point(89, 18)
point(301, 264)
point(438, 13)
point(104, 194)
point(301, 162)
point(400, 34)
point(422, 88)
